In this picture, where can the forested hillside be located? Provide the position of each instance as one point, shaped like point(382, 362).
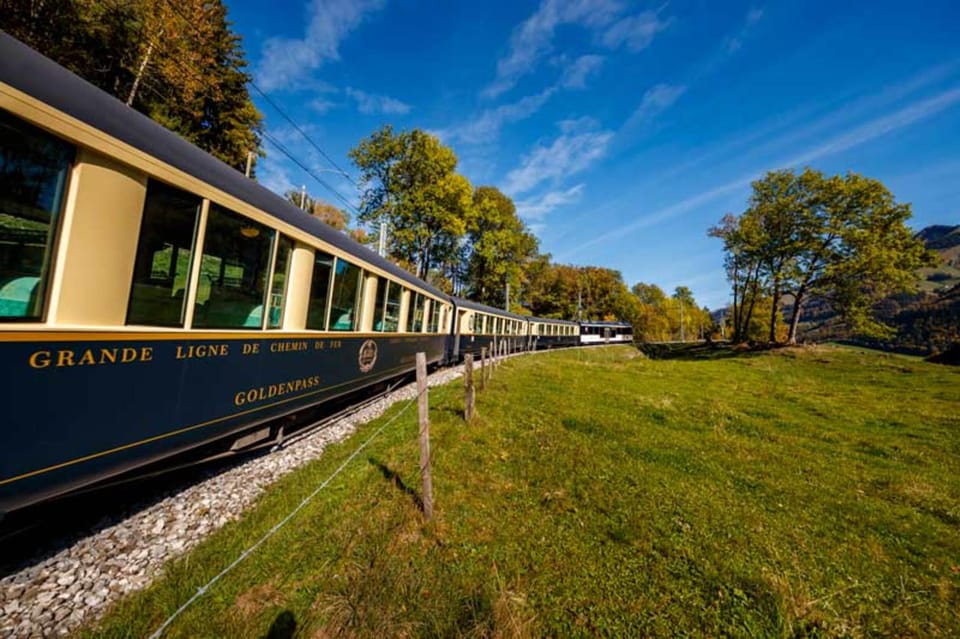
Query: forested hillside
point(177, 61)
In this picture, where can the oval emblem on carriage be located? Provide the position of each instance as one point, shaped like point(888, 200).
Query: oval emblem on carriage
point(368, 355)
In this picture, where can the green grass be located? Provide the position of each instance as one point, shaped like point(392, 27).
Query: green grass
point(801, 492)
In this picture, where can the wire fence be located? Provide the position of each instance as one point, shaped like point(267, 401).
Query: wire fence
point(250, 550)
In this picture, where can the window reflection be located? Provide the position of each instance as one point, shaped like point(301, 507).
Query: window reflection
point(33, 174)
point(233, 271)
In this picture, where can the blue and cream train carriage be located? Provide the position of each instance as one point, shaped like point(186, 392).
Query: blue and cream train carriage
point(153, 300)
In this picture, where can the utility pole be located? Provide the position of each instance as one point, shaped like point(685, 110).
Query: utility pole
point(303, 197)
point(249, 163)
point(579, 304)
point(507, 307)
point(382, 243)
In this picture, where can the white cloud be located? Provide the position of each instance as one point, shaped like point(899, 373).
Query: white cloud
point(878, 127)
point(285, 61)
point(533, 38)
point(859, 135)
point(734, 43)
point(577, 148)
point(635, 32)
point(535, 209)
point(655, 101)
point(576, 73)
point(272, 174)
point(322, 105)
point(486, 126)
point(370, 103)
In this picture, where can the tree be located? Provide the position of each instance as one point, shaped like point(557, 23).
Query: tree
point(650, 294)
point(178, 63)
point(409, 182)
point(842, 239)
point(741, 242)
point(328, 214)
point(499, 248)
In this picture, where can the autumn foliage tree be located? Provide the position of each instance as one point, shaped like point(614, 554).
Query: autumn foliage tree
point(409, 181)
point(841, 239)
point(177, 62)
point(499, 248)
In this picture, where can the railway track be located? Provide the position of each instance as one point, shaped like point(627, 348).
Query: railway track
point(65, 566)
point(29, 535)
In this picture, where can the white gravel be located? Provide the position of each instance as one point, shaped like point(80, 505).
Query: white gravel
point(76, 585)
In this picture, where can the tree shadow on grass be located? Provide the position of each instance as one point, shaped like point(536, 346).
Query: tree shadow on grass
point(283, 627)
point(393, 477)
point(696, 351)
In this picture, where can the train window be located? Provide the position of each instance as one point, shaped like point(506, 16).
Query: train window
point(33, 176)
point(346, 296)
point(380, 294)
point(434, 325)
point(415, 314)
point(386, 315)
point(281, 268)
point(319, 290)
point(391, 314)
point(233, 271)
point(162, 268)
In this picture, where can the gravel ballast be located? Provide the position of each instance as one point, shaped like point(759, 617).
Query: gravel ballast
point(60, 592)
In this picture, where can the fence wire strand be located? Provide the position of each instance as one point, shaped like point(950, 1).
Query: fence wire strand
point(246, 553)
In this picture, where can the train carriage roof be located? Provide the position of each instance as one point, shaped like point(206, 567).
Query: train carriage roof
point(26, 70)
point(600, 323)
point(483, 308)
point(550, 320)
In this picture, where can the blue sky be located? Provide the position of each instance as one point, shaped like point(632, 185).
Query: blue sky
point(622, 130)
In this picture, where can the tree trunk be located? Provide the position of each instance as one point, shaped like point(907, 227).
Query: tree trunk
point(773, 312)
point(140, 71)
point(795, 317)
point(736, 314)
point(749, 314)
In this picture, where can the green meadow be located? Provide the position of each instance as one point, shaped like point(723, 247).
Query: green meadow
point(795, 492)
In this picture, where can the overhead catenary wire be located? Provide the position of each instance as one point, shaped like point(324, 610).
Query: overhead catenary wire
point(271, 102)
point(280, 147)
point(207, 93)
point(250, 550)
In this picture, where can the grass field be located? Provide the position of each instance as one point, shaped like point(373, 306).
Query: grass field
point(789, 493)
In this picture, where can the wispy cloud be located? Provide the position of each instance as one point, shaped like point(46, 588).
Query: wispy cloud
point(878, 127)
point(580, 144)
point(284, 61)
point(733, 43)
point(655, 101)
point(321, 105)
point(576, 73)
point(486, 126)
point(873, 129)
point(635, 32)
point(274, 175)
point(370, 103)
point(536, 209)
point(533, 38)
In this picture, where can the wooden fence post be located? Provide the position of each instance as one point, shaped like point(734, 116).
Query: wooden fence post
point(468, 386)
point(423, 405)
point(483, 367)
